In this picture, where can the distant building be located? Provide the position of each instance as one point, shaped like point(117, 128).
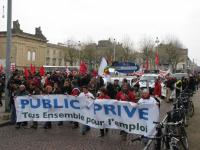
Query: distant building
point(31, 49)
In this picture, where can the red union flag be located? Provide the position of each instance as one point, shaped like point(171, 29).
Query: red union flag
point(1, 68)
point(157, 59)
point(83, 68)
point(42, 71)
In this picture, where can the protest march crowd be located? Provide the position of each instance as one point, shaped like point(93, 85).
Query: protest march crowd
point(89, 85)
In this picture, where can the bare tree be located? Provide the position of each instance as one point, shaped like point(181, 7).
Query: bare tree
point(71, 52)
point(146, 48)
point(128, 48)
point(172, 52)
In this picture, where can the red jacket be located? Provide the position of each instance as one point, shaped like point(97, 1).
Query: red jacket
point(75, 92)
point(130, 96)
point(104, 97)
point(157, 89)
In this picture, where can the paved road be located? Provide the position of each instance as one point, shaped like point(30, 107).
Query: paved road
point(65, 138)
point(193, 129)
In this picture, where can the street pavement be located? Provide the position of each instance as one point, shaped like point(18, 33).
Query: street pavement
point(193, 130)
point(66, 138)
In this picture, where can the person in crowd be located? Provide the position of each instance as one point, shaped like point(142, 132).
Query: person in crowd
point(111, 90)
point(170, 84)
point(157, 88)
point(2, 86)
point(100, 82)
point(75, 88)
point(116, 86)
point(85, 93)
point(178, 86)
point(146, 98)
point(184, 83)
point(75, 92)
point(67, 87)
point(125, 81)
point(103, 95)
point(48, 91)
point(34, 90)
point(191, 83)
point(21, 92)
point(92, 86)
point(125, 95)
point(57, 90)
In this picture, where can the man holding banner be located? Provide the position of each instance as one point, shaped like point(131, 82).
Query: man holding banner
point(125, 95)
point(22, 92)
point(87, 94)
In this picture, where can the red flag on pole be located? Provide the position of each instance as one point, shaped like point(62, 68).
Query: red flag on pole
point(42, 71)
point(26, 72)
point(157, 59)
point(1, 68)
point(83, 68)
point(32, 69)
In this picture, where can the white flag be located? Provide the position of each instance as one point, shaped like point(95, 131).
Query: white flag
point(102, 66)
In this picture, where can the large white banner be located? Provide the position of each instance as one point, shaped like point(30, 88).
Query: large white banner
point(127, 116)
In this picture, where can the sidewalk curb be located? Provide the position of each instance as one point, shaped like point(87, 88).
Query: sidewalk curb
point(4, 123)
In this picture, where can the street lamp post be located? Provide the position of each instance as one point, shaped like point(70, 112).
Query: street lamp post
point(8, 49)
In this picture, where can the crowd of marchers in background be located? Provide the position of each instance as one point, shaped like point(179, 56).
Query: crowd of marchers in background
point(88, 85)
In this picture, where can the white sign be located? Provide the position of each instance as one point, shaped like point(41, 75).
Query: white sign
point(127, 116)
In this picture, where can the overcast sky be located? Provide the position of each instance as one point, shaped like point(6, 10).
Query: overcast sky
point(84, 20)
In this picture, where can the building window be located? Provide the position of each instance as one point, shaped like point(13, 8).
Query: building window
point(60, 62)
point(29, 55)
point(54, 52)
point(48, 52)
point(47, 61)
point(54, 61)
point(33, 56)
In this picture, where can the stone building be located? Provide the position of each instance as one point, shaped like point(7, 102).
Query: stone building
point(32, 49)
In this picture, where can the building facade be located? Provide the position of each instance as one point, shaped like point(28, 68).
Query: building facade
point(32, 49)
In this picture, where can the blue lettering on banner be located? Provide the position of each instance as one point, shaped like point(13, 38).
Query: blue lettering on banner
point(97, 107)
point(46, 103)
point(143, 113)
point(37, 105)
point(119, 110)
point(129, 113)
point(72, 103)
point(109, 108)
point(24, 102)
point(66, 103)
point(56, 104)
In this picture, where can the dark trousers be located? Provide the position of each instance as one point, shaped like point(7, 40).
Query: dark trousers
point(47, 124)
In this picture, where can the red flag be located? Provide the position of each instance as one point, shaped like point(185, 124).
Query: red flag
point(94, 73)
point(26, 72)
point(42, 71)
point(157, 59)
point(1, 68)
point(83, 68)
point(32, 69)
